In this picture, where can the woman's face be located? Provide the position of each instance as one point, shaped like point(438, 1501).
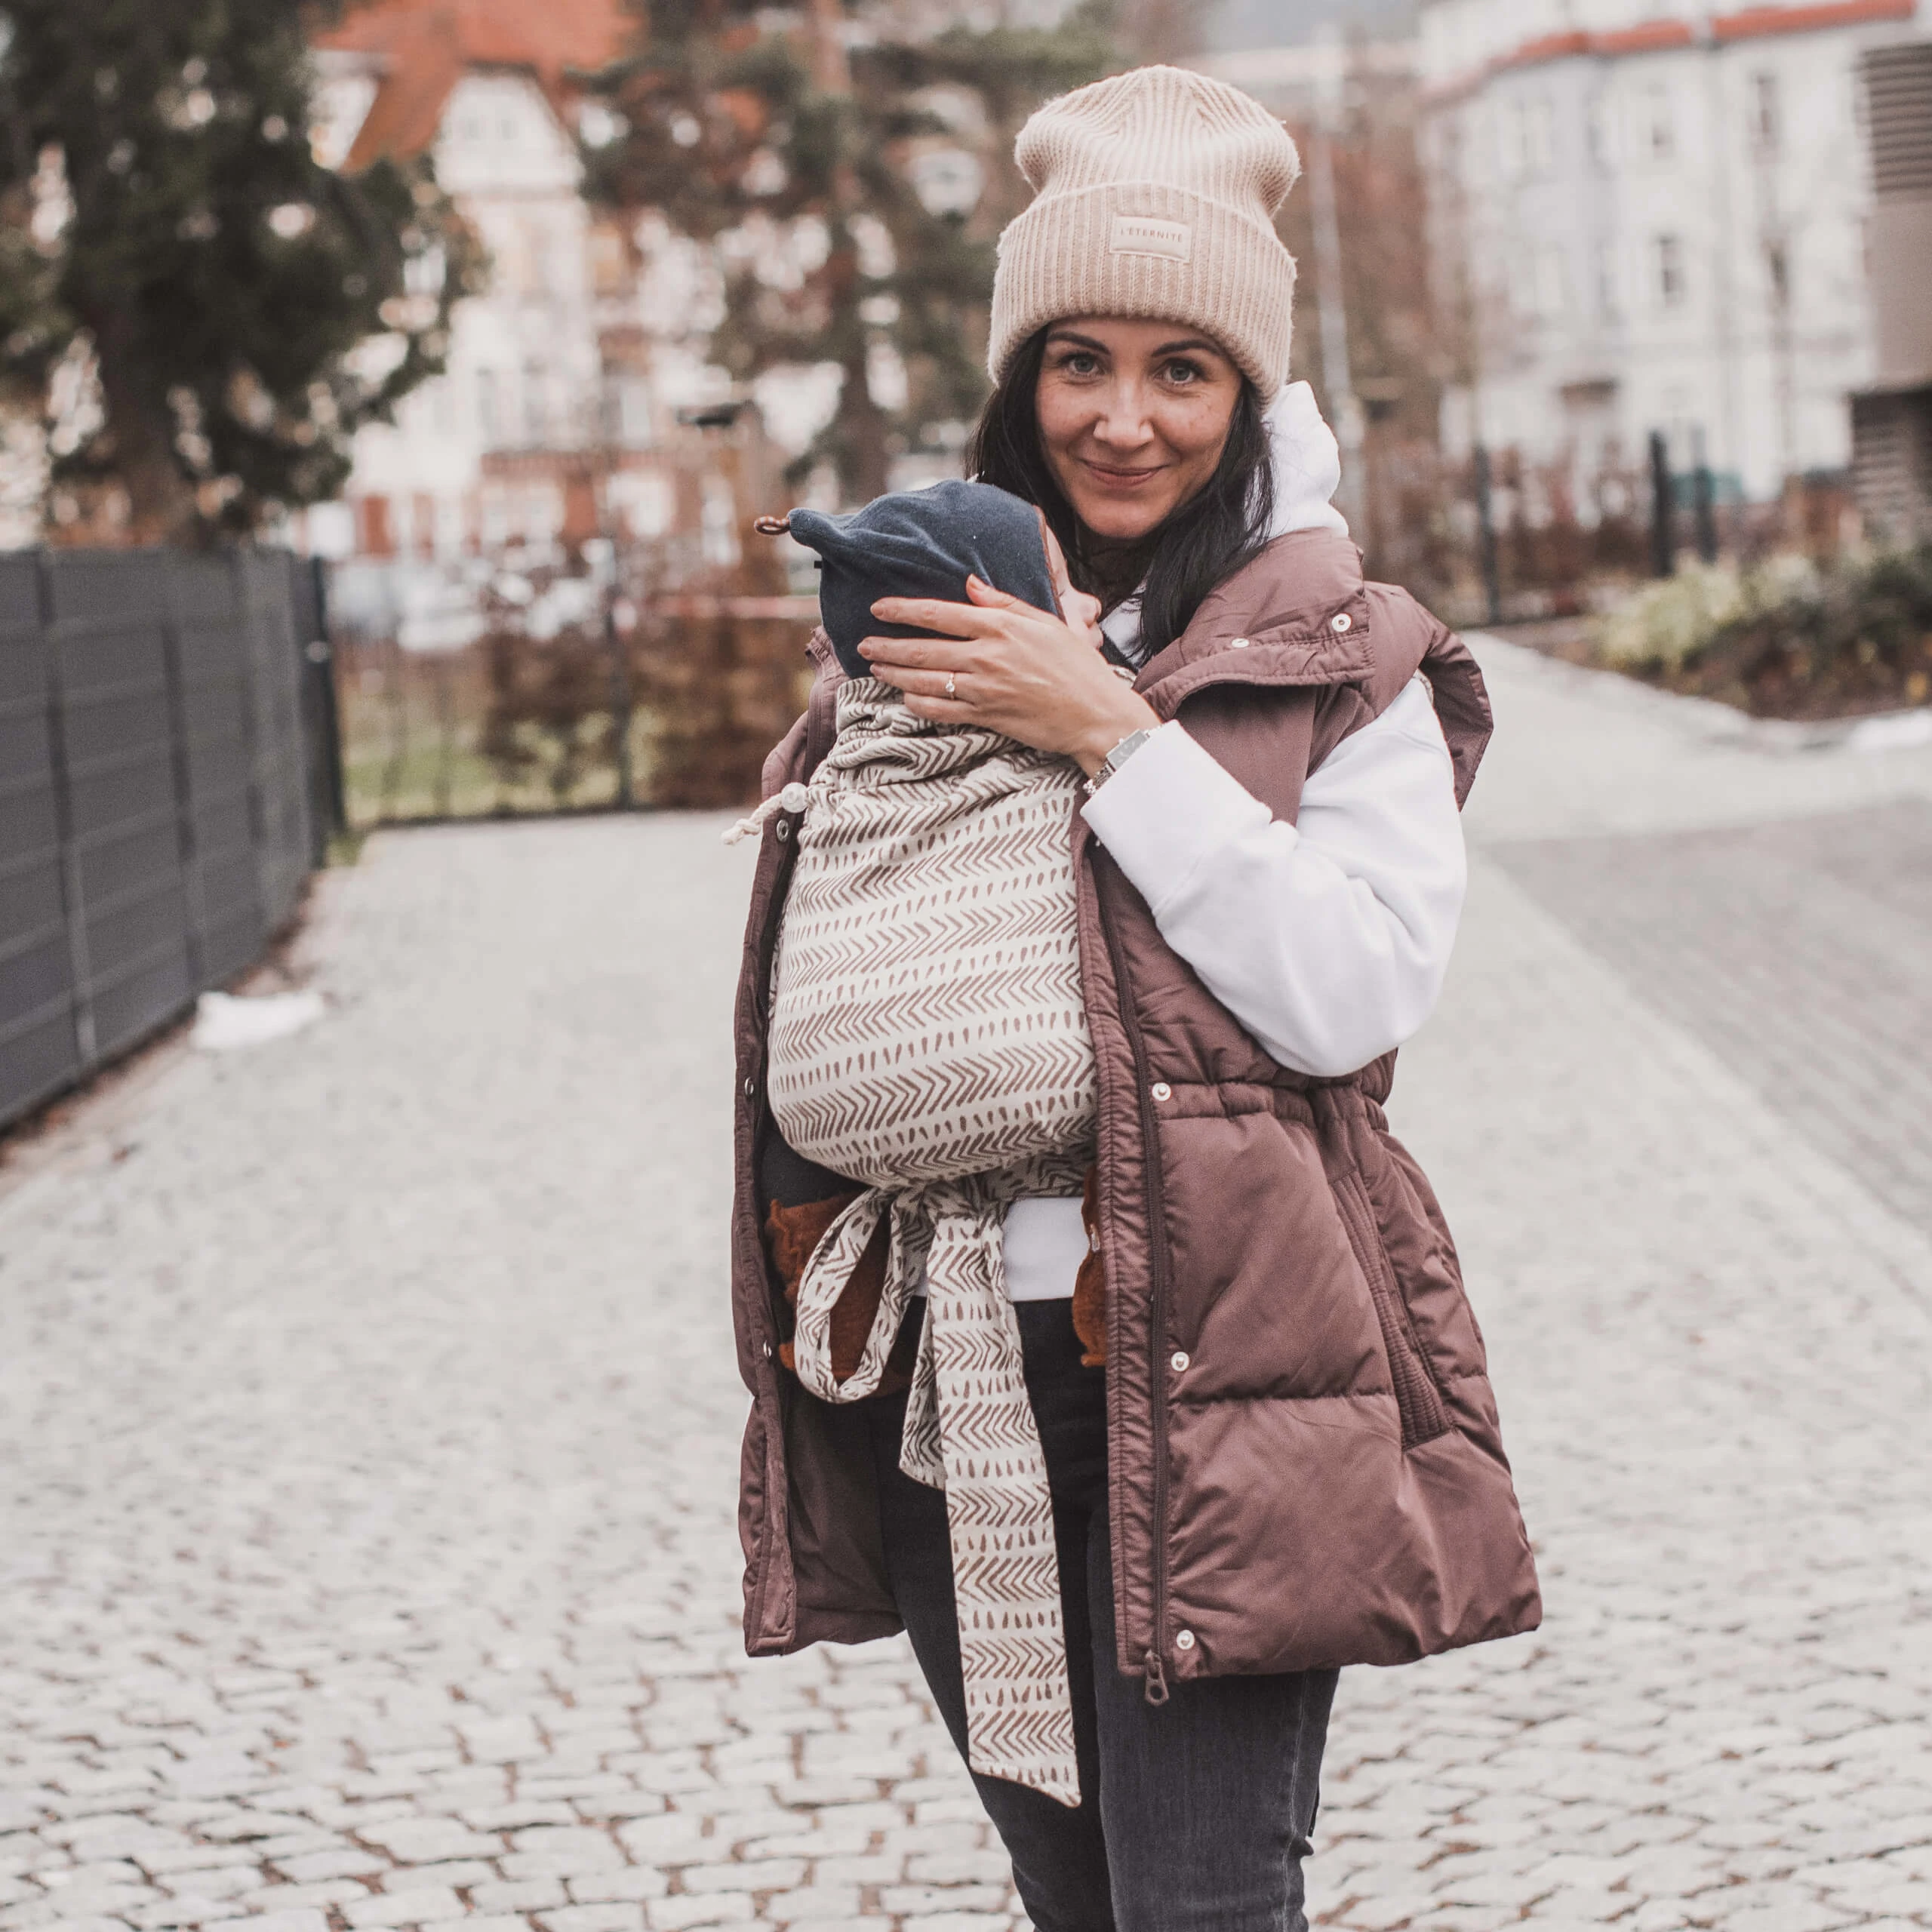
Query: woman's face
point(1133, 416)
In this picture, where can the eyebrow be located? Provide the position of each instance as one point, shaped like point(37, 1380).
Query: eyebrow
point(1165, 349)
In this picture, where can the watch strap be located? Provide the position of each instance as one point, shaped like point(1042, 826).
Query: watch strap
point(1118, 756)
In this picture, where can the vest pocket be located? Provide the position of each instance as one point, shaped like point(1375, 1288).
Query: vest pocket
point(1418, 1401)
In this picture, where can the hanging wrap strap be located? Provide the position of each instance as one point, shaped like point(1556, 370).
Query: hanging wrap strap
point(970, 1430)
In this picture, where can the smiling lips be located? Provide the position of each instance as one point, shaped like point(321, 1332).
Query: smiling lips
point(1110, 478)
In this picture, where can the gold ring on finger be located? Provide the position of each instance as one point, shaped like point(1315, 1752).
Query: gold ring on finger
point(952, 685)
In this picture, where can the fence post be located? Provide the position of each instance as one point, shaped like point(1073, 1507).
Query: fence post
point(1492, 583)
point(318, 658)
point(72, 895)
point(193, 897)
point(72, 891)
point(621, 690)
point(1703, 501)
point(1663, 534)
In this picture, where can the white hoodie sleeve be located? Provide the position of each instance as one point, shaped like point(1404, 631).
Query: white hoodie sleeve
point(1327, 940)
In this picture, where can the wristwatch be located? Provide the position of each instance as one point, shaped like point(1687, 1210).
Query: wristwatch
point(1118, 756)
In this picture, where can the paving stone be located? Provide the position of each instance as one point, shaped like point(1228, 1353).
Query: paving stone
point(620, 1883)
point(813, 1903)
point(519, 1895)
point(686, 1911)
point(607, 1918)
point(416, 1907)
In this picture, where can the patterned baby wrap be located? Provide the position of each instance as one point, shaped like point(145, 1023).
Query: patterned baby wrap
point(929, 1041)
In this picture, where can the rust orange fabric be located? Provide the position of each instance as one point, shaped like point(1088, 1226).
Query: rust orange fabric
point(1090, 1285)
point(794, 1233)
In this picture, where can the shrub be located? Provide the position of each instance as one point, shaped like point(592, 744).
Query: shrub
point(1786, 639)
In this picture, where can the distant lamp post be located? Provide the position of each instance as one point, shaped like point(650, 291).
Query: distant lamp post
point(1332, 309)
point(1704, 499)
point(1664, 519)
point(1492, 582)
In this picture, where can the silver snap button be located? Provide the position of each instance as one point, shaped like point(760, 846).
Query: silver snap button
point(1340, 621)
point(1162, 1091)
point(784, 830)
point(1178, 1361)
point(1183, 1640)
point(1239, 643)
point(768, 1351)
point(751, 1087)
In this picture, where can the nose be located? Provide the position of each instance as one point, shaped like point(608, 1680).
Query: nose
point(1122, 423)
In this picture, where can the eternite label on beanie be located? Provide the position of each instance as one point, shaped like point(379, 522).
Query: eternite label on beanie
point(1141, 235)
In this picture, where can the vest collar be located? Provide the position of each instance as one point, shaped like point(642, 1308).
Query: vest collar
point(1297, 615)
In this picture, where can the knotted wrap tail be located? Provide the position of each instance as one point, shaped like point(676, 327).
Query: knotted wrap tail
point(970, 1430)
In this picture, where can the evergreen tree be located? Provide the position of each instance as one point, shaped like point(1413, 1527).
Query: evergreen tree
point(237, 311)
point(810, 165)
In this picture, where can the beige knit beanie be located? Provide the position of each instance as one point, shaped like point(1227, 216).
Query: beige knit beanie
point(1154, 196)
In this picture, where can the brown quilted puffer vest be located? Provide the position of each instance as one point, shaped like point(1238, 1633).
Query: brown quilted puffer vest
point(1305, 1463)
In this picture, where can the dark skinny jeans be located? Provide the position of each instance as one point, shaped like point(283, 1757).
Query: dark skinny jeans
point(1195, 1815)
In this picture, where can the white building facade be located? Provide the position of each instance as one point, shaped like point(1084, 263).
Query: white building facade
point(479, 457)
point(1650, 216)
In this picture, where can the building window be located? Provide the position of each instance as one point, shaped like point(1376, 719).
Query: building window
point(1531, 138)
point(1553, 285)
point(1597, 133)
point(1608, 305)
point(1539, 289)
point(374, 537)
point(1766, 122)
point(535, 406)
point(1659, 128)
point(1670, 271)
point(1777, 274)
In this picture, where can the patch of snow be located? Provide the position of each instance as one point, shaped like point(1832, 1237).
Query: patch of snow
point(224, 1022)
point(1901, 731)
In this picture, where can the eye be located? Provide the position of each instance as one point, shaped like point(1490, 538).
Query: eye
point(1181, 372)
point(1079, 362)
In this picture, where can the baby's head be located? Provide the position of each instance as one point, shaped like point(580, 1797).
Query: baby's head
point(926, 543)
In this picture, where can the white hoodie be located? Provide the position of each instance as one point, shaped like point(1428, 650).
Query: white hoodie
point(1328, 938)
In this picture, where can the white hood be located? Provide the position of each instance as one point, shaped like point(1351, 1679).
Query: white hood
point(1307, 464)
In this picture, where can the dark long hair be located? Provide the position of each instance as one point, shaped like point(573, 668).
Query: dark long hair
point(1198, 545)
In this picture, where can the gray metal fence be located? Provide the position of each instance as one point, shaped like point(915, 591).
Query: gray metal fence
point(157, 790)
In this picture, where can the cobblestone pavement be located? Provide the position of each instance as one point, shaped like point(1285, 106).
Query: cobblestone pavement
point(367, 1429)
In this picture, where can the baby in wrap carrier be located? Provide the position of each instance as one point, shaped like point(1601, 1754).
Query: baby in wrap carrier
point(929, 1064)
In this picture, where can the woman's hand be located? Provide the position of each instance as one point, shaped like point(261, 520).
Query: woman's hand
point(1012, 668)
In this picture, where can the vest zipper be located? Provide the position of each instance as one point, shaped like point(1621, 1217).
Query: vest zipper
point(1157, 1678)
point(1157, 1271)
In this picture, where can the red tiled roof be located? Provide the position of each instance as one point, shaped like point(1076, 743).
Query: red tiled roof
point(546, 36)
point(1548, 47)
point(425, 45)
point(1748, 23)
point(1753, 21)
point(1647, 37)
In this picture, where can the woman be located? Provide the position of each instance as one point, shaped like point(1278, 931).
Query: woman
point(1275, 1451)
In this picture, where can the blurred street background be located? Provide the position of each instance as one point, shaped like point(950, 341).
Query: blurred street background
point(387, 391)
